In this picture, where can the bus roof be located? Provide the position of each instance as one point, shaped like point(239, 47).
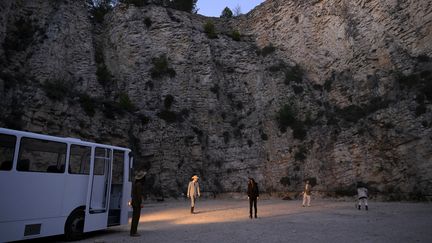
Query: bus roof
point(57, 139)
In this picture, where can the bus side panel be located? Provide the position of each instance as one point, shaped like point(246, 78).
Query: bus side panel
point(75, 192)
point(30, 195)
point(12, 231)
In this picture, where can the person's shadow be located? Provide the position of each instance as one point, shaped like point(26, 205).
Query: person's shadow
point(215, 210)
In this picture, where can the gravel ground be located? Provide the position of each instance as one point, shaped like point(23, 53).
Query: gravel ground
point(278, 221)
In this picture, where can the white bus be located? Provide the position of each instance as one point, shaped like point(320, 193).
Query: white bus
point(53, 185)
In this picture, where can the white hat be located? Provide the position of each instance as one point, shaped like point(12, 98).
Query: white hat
point(140, 174)
point(195, 176)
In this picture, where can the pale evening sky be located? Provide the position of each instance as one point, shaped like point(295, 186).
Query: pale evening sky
point(214, 8)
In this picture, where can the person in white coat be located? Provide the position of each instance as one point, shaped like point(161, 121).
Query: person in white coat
point(362, 193)
point(193, 191)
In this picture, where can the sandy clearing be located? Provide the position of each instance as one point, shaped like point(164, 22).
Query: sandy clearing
point(278, 221)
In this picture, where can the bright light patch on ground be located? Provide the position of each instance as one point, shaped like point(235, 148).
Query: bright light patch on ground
point(278, 221)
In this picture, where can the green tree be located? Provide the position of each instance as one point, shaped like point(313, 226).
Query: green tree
point(235, 35)
point(125, 102)
point(161, 68)
point(99, 8)
point(226, 13)
point(184, 5)
point(138, 3)
point(210, 29)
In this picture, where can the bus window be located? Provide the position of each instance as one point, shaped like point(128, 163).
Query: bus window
point(79, 161)
point(118, 167)
point(7, 150)
point(41, 156)
point(102, 158)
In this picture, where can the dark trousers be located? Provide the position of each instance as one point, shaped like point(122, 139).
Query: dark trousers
point(252, 202)
point(135, 219)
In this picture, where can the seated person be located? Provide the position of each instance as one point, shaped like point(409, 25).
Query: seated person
point(52, 169)
point(23, 165)
point(6, 165)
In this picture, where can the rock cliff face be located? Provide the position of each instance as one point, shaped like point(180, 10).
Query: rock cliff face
point(334, 91)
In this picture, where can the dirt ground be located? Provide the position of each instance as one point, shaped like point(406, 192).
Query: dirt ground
point(278, 221)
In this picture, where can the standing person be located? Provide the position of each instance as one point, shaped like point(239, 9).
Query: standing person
point(253, 195)
point(137, 186)
point(193, 191)
point(307, 194)
point(362, 193)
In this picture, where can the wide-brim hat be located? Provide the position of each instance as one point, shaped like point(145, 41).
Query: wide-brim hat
point(195, 176)
point(140, 174)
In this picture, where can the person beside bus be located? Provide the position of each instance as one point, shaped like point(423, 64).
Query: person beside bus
point(193, 191)
point(137, 187)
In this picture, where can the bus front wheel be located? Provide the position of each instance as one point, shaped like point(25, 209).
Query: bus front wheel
point(74, 228)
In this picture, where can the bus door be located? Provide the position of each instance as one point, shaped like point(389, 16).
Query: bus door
point(97, 204)
point(117, 203)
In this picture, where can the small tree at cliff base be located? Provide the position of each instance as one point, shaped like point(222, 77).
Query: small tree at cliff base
point(286, 118)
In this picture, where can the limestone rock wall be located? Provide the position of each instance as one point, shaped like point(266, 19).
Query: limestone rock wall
point(356, 51)
point(151, 79)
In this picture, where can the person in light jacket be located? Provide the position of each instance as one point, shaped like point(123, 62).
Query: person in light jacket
point(307, 194)
point(253, 195)
point(193, 191)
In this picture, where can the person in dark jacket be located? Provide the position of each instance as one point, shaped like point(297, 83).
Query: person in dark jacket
point(136, 201)
point(253, 195)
